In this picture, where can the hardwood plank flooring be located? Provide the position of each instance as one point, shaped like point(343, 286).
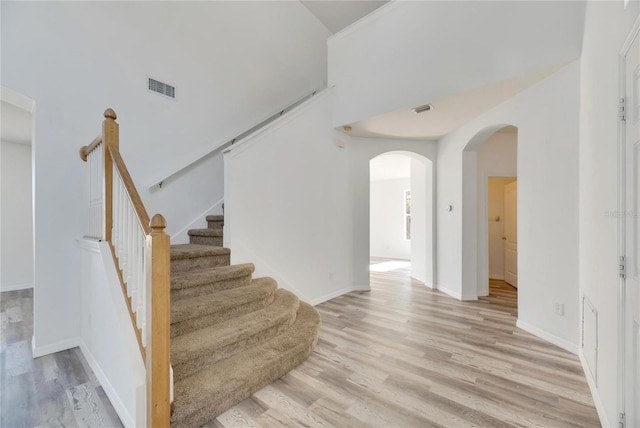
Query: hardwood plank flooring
point(56, 390)
point(399, 356)
point(403, 355)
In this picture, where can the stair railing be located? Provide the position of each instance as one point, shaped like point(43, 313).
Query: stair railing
point(141, 252)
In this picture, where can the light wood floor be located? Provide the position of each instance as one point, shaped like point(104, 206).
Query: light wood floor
point(57, 390)
point(398, 356)
point(405, 356)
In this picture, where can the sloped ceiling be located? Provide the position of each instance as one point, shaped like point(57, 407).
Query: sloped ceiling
point(336, 15)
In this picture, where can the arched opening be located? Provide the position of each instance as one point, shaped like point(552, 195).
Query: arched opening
point(401, 220)
point(489, 218)
point(16, 203)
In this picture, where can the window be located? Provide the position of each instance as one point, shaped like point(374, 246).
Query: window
point(407, 215)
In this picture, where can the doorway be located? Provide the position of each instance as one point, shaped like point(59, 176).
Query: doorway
point(629, 295)
point(401, 214)
point(16, 201)
point(502, 214)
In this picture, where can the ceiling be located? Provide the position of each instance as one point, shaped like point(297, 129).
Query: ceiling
point(390, 166)
point(336, 15)
point(448, 113)
point(15, 124)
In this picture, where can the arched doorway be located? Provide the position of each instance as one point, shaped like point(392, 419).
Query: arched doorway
point(489, 218)
point(401, 214)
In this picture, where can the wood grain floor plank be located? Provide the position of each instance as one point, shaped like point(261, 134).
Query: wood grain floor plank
point(403, 355)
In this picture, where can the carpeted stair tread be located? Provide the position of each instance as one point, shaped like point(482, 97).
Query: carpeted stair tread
point(193, 313)
point(205, 232)
point(215, 218)
point(189, 251)
point(193, 351)
point(190, 257)
point(210, 280)
point(203, 396)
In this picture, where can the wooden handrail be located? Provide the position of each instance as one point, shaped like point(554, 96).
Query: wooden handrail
point(149, 247)
point(85, 150)
point(136, 202)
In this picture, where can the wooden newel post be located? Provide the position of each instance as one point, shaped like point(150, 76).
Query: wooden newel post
point(111, 140)
point(158, 313)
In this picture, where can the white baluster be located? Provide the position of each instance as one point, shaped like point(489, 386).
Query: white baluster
point(141, 283)
point(145, 287)
point(131, 219)
point(115, 231)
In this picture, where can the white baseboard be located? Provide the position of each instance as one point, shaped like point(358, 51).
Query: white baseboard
point(338, 293)
point(542, 334)
point(448, 291)
point(116, 402)
point(63, 345)
point(594, 391)
point(15, 287)
point(181, 237)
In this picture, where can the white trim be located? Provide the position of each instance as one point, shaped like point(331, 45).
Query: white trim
point(551, 338)
point(455, 294)
point(602, 414)
point(249, 140)
point(125, 417)
point(52, 348)
point(180, 237)
point(338, 293)
point(16, 287)
point(621, 399)
point(364, 21)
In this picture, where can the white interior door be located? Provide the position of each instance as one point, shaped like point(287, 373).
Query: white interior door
point(631, 236)
point(511, 233)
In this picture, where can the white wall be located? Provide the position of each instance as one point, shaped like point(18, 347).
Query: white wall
point(495, 211)
point(16, 217)
point(107, 338)
point(287, 204)
point(399, 51)
point(496, 157)
point(387, 219)
point(547, 177)
point(233, 64)
point(422, 225)
point(606, 27)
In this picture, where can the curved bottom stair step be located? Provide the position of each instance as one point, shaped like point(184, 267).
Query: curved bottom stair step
point(206, 394)
point(206, 281)
point(201, 348)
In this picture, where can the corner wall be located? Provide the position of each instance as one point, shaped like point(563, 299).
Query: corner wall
point(547, 177)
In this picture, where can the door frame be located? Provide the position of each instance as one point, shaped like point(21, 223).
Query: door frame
point(483, 231)
point(622, 188)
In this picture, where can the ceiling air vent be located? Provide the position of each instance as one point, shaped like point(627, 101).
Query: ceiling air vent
point(162, 88)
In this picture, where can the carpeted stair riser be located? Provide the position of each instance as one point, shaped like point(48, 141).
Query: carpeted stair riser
point(207, 281)
point(194, 313)
point(190, 257)
point(192, 352)
point(206, 237)
point(215, 221)
point(203, 396)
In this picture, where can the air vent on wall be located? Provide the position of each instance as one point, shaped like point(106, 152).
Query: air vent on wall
point(162, 88)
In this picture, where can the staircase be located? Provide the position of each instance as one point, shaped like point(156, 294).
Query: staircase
point(231, 334)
